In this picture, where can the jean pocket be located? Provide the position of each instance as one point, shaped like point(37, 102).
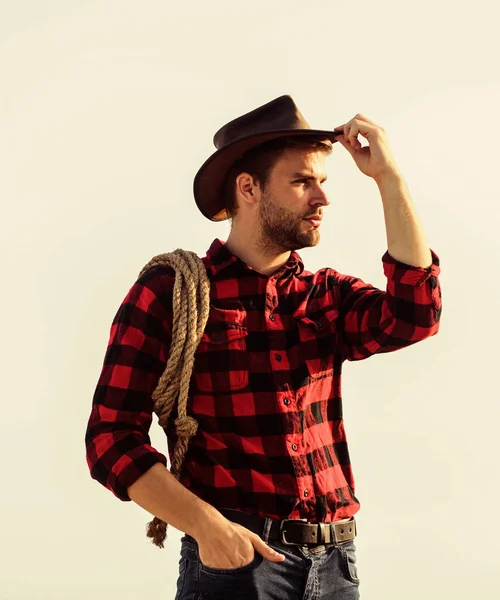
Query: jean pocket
point(191, 545)
point(349, 561)
point(253, 564)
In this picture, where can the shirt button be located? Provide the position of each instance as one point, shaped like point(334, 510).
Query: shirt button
point(278, 357)
point(306, 493)
point(286, 400)
point(271, 317)
point(294, 446)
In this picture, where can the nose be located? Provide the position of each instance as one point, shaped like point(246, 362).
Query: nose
point(320, 198)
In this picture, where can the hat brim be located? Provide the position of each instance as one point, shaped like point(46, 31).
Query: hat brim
point(208, 181)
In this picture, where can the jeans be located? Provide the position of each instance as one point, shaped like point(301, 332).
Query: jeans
point(314, 572)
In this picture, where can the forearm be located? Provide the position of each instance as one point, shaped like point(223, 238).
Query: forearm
point(162, 495)
point(406, 239)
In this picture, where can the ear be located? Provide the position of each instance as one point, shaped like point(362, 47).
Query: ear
point(246, 188)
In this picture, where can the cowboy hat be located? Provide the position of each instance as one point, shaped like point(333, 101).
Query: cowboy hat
point(277, 118)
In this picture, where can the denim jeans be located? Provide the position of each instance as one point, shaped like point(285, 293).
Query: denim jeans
point(314, 572)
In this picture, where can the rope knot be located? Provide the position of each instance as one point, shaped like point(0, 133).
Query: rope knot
point(186, 426)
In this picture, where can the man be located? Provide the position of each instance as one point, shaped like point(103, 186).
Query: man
point(266, 497)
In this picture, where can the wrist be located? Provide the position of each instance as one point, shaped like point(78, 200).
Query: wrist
point(391, 178)
point(210, 523)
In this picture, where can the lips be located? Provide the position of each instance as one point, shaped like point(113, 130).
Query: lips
point(315, 221)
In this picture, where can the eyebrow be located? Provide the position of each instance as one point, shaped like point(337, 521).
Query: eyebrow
point(306, 175)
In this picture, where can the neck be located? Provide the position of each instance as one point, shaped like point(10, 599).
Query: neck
point(255, 250)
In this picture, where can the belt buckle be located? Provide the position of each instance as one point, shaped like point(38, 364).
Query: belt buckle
point(282, 537)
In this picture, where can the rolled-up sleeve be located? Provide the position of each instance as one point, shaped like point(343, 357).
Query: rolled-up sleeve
point(374, 321)
point(118, 447)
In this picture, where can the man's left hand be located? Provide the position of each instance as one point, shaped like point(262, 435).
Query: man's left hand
point(376, 159)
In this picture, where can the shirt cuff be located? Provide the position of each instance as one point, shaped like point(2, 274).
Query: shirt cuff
point(133, 466)
point(409, 274)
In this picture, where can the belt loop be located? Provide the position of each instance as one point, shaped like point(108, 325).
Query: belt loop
point(267, 529)
point(321, 534)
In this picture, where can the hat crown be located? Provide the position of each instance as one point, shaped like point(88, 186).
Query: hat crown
point(277, 115)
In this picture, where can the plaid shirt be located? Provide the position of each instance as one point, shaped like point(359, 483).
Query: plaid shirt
point(266, 385)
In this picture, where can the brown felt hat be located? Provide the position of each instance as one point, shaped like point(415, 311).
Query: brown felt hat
point(277, 118)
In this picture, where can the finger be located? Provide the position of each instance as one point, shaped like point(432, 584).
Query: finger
point(346, 145)
point(354, 131)
point(267, 551)
point(364, 118)
point(368, 130)
point(351, 134)
point(343, 128)
point(348, 140)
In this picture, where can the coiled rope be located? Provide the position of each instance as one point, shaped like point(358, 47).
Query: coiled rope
point(191, 307)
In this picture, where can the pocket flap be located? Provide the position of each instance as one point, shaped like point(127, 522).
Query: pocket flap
point(323, 323)
point(224, 335)
point(317, 325)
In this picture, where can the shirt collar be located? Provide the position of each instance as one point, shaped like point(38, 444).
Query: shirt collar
point(219, 256)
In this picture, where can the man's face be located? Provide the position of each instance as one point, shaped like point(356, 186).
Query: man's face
point(293, 194)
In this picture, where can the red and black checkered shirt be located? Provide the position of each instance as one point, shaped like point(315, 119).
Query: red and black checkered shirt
point(266, 385)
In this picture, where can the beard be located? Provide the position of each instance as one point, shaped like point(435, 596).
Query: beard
point(282, 229)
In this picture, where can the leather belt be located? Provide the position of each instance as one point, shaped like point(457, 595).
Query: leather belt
point(295, 531)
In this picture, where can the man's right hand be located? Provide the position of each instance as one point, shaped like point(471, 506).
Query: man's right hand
point(232, 547)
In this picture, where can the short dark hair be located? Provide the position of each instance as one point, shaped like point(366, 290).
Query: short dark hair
point(259, 162)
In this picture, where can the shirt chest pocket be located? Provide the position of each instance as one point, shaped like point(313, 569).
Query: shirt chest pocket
point(221, 359)
point(318, 342)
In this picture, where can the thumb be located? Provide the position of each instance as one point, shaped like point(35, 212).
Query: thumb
point(266, 551)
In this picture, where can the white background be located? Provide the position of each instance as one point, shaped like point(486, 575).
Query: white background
point(107, 110)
